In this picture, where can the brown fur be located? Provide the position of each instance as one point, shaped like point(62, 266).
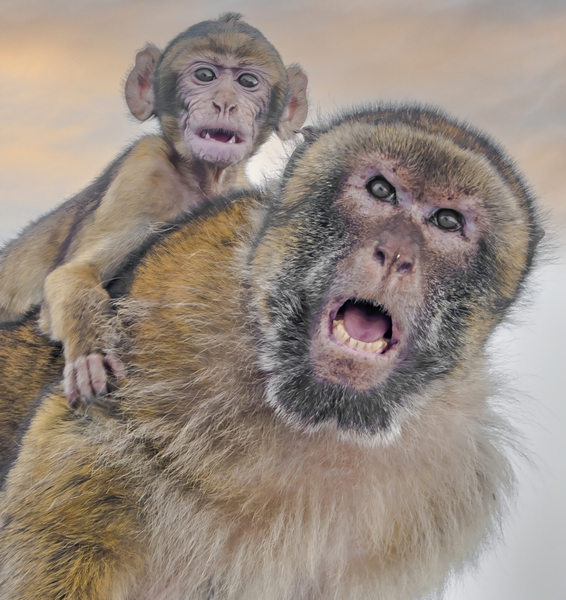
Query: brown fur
point(65, 260)
point(246, 456)
point(29, 362)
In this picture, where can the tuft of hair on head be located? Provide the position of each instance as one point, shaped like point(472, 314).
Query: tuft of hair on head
point(230, 17)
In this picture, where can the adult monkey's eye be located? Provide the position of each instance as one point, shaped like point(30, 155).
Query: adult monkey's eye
point(448, 219)
point(381, 189)
point(248, 80)
point(205, 74)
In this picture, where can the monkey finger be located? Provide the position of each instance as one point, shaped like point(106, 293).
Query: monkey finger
point(97, 373)
point(115, 365)
point(84, 386)
point(70, 385)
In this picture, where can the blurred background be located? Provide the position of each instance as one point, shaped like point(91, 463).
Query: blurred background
point(500, 64)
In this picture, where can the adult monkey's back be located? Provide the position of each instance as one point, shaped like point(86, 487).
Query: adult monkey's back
point(219, 90)
point(307, 411)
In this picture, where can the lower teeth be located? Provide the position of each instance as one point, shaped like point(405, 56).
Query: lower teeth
point(341, 334)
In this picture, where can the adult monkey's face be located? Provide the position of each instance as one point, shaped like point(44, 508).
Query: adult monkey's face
point(385, 265)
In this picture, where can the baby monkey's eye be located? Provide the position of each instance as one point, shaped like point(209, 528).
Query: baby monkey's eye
point(381, 189)
point(205, 74)
point(248, 80)
point(448, 219)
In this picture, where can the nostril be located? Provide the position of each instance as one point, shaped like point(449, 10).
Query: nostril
point(380, 256)
point(405, 268)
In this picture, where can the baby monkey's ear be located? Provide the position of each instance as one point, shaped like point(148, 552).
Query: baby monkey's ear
point(138, 90)
point(297, 108)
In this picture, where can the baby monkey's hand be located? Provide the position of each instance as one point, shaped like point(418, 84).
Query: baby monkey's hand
point(88, 376)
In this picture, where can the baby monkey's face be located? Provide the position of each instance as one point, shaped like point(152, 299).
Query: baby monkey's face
point(390, 262)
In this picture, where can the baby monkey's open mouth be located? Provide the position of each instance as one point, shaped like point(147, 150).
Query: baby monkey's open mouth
point(363, 325)
point(225, 136)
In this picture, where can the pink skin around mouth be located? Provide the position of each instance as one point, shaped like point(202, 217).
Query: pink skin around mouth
point(217, 148)
point(364, 325)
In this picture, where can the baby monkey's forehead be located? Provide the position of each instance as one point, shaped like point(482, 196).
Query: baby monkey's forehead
point(228, 60)
point(240, 47)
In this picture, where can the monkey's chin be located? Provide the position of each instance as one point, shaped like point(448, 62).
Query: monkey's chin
point(218, 146)
point(356, 343)
point(369, 435)
point(359, 393)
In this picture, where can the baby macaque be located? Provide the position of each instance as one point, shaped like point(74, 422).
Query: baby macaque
point(218, 90)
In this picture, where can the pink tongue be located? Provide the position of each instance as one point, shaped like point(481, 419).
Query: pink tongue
point(363, 324)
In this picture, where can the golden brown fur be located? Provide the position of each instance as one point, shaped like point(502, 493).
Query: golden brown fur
point(65, 260)
point(232, 463)
point(28, 363)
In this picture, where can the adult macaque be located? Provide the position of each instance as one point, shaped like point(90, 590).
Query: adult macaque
point(306, 413)
point(219, 90)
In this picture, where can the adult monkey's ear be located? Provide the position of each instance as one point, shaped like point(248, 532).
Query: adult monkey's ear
point(138, 90)
point(297, 108)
